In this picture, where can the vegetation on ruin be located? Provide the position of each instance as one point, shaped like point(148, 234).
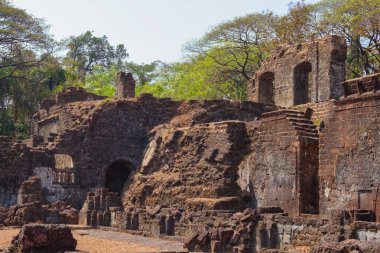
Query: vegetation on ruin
point(218, 65)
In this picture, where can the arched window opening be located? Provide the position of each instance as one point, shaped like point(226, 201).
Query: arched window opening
point(266, 88)
point(303, 81)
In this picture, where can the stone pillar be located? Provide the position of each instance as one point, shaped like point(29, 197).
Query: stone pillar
point(135, 221)
point(170, 225)
point(128, 222)
point(99, 218)
point(124, 85)
point(162, 224)
point(94, 219)
point(96, 210)
point(106, 218)
point(103, 193)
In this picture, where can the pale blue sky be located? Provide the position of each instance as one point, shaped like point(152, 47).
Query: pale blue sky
point(150, 29)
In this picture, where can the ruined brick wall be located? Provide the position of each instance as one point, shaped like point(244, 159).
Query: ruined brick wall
point(30, 191)
point(283, 155)
point(96, 208)
point(105, 137)
point(55, 117)
point(14, 168)
point(317, 112)
point(68, 95)
point(271, 230)
point(281, 168)
point(349, 155)
point(302, 73)
point(358, 86)
point(278, 231)
point(195, 167)
point(108, 132)
point(75, 94)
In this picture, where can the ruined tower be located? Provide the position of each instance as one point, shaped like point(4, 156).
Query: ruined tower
point(125, 85)
point(303, 73)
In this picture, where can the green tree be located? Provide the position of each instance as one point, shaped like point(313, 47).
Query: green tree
point(300, 24)
point(22, 95)
point(87, 50)
point(358, 21)
point(21, 34)
point(26, 68)
point(101, 80)
point(193, 79)
point(237, 48)
point(144, 73)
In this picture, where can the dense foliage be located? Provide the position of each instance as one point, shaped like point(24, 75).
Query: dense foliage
point(216, 66)
point(27, 67)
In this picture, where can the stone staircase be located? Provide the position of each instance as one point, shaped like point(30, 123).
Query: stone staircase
point(303, 125)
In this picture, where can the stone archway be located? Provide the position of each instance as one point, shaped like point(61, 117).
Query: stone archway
point(117, 174)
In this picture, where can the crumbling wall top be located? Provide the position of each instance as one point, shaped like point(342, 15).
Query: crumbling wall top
point(75, 94)
point(69, 95)
point(358, 86)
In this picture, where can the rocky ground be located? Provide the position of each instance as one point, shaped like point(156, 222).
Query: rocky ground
point(97, 241)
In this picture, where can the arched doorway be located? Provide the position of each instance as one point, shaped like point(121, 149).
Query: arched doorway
point(302, 83)
point(266, 88)
point(117, 174)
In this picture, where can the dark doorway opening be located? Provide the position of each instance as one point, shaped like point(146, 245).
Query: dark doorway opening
point(266, 88)
point(309, 184)
point(117, 174)
point(302, 83)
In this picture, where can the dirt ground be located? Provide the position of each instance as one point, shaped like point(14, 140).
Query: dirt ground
point(6, 237)
point(95, 241)
point(99, 245)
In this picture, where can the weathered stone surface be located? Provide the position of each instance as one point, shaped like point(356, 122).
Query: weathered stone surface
point(349, 145)
point(35, 212)
point(99, 208)
point(60, 213)
point(357, 86)
point(125, 85)
point(192, 166)
point(24, 214)
point(81, 131)
point(43, 239)
point(153, 211)
point(30, 191)
point(30, 210)
point(3, 214)
point(283, 145)
point(14, 168)
point(348, 246)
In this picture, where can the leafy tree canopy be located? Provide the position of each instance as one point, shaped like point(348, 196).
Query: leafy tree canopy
point(101, 80)
point(144, 73)
point(359, 22)
point(24, 42)
point(87, 50)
